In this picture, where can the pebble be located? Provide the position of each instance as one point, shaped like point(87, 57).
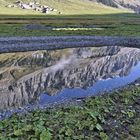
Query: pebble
point(22, 44)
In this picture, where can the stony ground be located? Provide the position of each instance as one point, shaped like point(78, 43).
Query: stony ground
point(22, 44)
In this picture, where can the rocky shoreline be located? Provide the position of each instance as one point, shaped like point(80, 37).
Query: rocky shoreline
point(24, 44)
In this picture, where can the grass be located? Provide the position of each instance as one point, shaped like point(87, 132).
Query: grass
point(110, 116)
point(111, 24)
point(66, 7)
point(80, 13)
point(103, 30)
point(115, 22)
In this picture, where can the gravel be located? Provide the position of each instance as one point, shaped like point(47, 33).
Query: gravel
point(23, 44)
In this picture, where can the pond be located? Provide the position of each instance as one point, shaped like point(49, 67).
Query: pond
point(99, 87)
point(43, 78)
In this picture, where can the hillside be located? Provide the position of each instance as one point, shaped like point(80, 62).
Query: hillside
point(64, 6)
point(132, 4)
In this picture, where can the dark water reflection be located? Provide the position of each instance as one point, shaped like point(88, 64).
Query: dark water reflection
point(46, 77)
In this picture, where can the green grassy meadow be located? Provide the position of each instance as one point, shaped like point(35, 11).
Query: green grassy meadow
point(113, 21)
point(106, 30)
point(124, 24)
point(105, 117)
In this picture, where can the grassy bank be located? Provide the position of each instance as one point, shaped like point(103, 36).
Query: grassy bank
point(108, 24)
point(99, 30)
point(114, 116)
point(112, 21)
point(119, 24)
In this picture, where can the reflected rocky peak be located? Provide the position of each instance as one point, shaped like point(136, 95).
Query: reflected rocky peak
point(24, 76)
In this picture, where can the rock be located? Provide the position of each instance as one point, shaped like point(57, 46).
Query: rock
point(81, 68)
point(34, 27)
point(37, 3)
point(131, 4)
point(32, 5)
point(45, 10)
point(26, 6)
point(54, 10)
point(38, 9)
point(137, 10)
point(137, 84)
point(46, 6)
point(10, 6)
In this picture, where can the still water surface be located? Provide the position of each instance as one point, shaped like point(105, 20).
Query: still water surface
point(45, 78)
point(99, 87)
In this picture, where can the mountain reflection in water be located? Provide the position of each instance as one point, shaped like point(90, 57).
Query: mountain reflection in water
point(99, 87)
point(65, 74)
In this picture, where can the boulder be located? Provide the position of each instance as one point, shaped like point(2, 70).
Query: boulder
point(38, 9)
point(32, 5)
point(26, 6)
point(18, 2)
point(137, 10)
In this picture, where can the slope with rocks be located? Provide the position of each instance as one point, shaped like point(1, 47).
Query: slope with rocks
point(77, 68)
point(68, 7)
point(131, 4)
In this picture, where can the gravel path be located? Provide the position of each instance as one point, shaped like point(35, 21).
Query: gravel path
point(23, 44)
